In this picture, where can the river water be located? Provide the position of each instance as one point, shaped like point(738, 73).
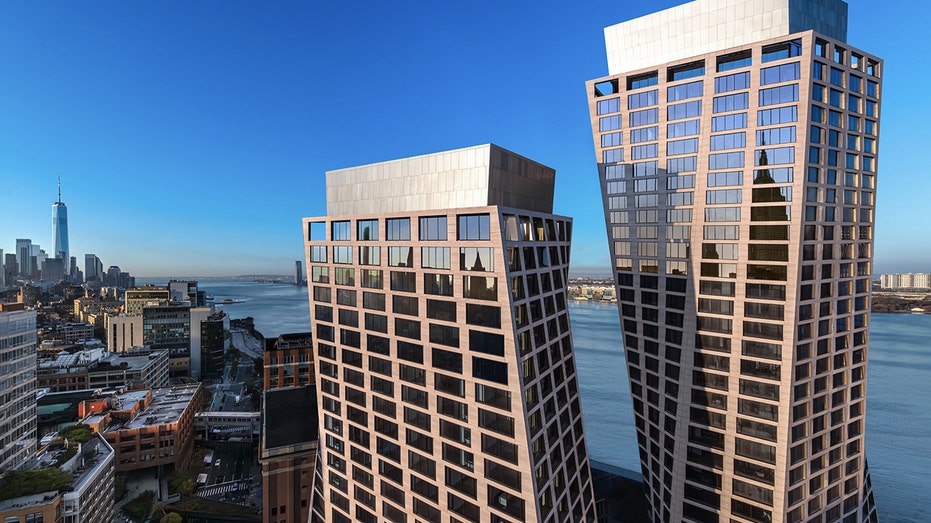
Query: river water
point(899, 397)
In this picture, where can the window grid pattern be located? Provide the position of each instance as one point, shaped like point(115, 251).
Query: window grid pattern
point(393, 387)
point(810, 202)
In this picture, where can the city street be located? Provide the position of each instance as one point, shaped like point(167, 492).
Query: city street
point(234, 475)
point(244, 342)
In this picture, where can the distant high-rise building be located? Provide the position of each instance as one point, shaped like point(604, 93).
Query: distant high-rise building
point(93, 268)
point(905, 281)
point(23, 257)
point(18, 401)
point(10, 268)
point(53, 270)
point(736, 143)
point(444, 362)
point(114, 277)
point(40, 256)
point(298, 273)
point(2, 271)
point(60, 228)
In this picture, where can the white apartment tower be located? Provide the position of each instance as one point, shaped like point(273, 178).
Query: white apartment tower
point(17, 385)
point(445, 367)
point(737, 145)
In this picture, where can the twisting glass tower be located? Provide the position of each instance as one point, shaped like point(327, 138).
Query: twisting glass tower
point(737, 146)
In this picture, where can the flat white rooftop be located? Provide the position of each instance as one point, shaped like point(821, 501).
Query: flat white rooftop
point(470, 177)
point(705, 26)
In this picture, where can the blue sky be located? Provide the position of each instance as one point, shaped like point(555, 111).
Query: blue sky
point(191, 137)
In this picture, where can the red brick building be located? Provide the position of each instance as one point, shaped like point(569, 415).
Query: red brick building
point(289, 361)
point(147, 428)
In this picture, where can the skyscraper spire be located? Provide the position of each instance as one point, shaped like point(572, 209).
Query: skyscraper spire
point(60, 226)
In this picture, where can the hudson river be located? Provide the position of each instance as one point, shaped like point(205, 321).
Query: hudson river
point(898, 437)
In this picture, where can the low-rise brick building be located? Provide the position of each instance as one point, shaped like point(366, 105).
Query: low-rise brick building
point(289, 361)
point(147, 428)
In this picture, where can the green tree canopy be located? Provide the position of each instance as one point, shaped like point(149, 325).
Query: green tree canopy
point(35, 481)
point(78, 432)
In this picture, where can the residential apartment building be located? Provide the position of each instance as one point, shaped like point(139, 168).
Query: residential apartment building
point(89, 309)
point(73, 332)
point(921, 280)
point(88, 497)
point(444, 361)
point(289, 361)
point(17, 385)
point(736, 149)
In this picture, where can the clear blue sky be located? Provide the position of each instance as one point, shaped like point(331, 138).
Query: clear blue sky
point(191, 137)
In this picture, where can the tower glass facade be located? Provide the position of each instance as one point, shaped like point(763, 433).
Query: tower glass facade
point(738, 186)
point(26, 266)
point(444, 361)
point(60, 231)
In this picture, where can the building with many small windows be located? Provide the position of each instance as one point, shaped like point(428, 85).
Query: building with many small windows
point(18, 383)
point(98, 369)
point(288, 361)
point(147, 428)
point(920, 280)
point(81, 491)
point(736, 143)
point(444, 361)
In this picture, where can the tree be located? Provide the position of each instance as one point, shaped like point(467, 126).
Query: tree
point(77, 432)
point(35, 481)
point(172, 517)
point(183, 483)
point(139, 507)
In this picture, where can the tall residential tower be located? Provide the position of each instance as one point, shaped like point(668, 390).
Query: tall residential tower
point(736, 149)
point(18, 383)
point(444, 362)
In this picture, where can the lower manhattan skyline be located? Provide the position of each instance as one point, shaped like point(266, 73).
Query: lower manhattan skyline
point(189, 137)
